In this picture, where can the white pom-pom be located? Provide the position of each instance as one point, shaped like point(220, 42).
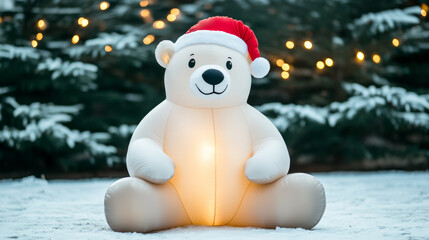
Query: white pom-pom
point(259, 67)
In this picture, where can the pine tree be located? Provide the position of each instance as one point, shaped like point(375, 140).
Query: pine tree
point(77, 76)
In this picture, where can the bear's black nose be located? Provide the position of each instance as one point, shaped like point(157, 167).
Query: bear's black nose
point(212, 76)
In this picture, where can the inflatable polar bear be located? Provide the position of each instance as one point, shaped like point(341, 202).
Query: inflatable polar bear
point(204, 156)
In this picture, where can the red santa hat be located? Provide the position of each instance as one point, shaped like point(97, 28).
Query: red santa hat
point(230, 33)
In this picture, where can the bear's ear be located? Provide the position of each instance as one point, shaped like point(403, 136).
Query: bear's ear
point(163, 52)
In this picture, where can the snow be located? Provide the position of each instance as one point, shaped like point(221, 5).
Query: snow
point(377, 205)
point(384, 21)
point(406, 106)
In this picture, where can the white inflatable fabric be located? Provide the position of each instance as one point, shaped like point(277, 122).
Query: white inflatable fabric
point(204, 160)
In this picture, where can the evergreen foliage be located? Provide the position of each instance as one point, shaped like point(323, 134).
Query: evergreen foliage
point(69, 103)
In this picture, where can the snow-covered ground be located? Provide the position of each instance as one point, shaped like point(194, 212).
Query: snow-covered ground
point(380, 205)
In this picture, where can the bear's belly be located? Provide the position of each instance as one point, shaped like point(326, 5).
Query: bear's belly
point(209, 148)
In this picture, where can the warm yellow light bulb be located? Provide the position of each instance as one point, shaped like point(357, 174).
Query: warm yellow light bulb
point(395, 42)
point(285, 75)
point(148, 39)
point(34, 43)
point(75, 39)
point(360, 56)
point(290, 44)
point(41, 24)
point(171, 17)
point(425, 7)
point(39, 36)
point(175, 11)
point(329, 62)
point(159, 24)
point(279, 62)
point(423, 12)
point(144, 13)
point(108, 48)
point(104, 5)
point(308, 44)
point(84, 22)
point(285, 67)
point(320, 65)
point(144, 3)
point(376, 58)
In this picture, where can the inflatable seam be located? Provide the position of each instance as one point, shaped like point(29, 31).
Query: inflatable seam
point(181, 201)
point(239, 205)
point(215, 190)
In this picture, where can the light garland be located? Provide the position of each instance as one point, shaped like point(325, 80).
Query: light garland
point(395, 42)
point(424, 10)
point(290, 44)
point(144, 3)
point(158, 24)
point(360, 56)
point(279, 62)
point(41, 24)
point(104, 5)
point(175, 11)
point(320, 65)
point(148, 39)
point(329, 62)
point(39, 36)
point(144, 13)
point(285, 67)
point(171, 17)
point(308, 44)
point(285, 75)
point(108, 48)
point(376, 58)
point(34, 43)
point(75, 39)
point(83, 22)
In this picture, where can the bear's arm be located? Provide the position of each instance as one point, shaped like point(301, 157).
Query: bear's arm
point(270, 160)
point(145, 157)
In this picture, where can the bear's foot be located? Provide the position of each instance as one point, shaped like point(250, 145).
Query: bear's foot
point(301, 201)
point(134, 205)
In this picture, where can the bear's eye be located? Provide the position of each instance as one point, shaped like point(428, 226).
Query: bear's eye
point(229, 65)
point(191, 63)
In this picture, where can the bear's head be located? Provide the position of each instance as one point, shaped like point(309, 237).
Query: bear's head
point(210, 68)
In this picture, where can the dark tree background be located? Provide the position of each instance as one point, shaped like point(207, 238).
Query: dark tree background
point(348, 87)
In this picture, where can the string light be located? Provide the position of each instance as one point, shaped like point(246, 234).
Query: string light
point(360, 56)
point(376, 58)
point(104, 5)
point(395, 42)
point(308, 44)
point(75, 39)
point(175, 11)
point(148, 39)
point(279, 62)
point(159, 24)
point(320, 65)
point(144, 13)
point(290, 44)
point(171, 17)
point(285, 67)
point(144, 3)
point(108, 48)
point(39, 36)
point(425, 9)
point(329, 62)
point(285, 75)
point(34, 43)
point(41, 24)
point(83, 22)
